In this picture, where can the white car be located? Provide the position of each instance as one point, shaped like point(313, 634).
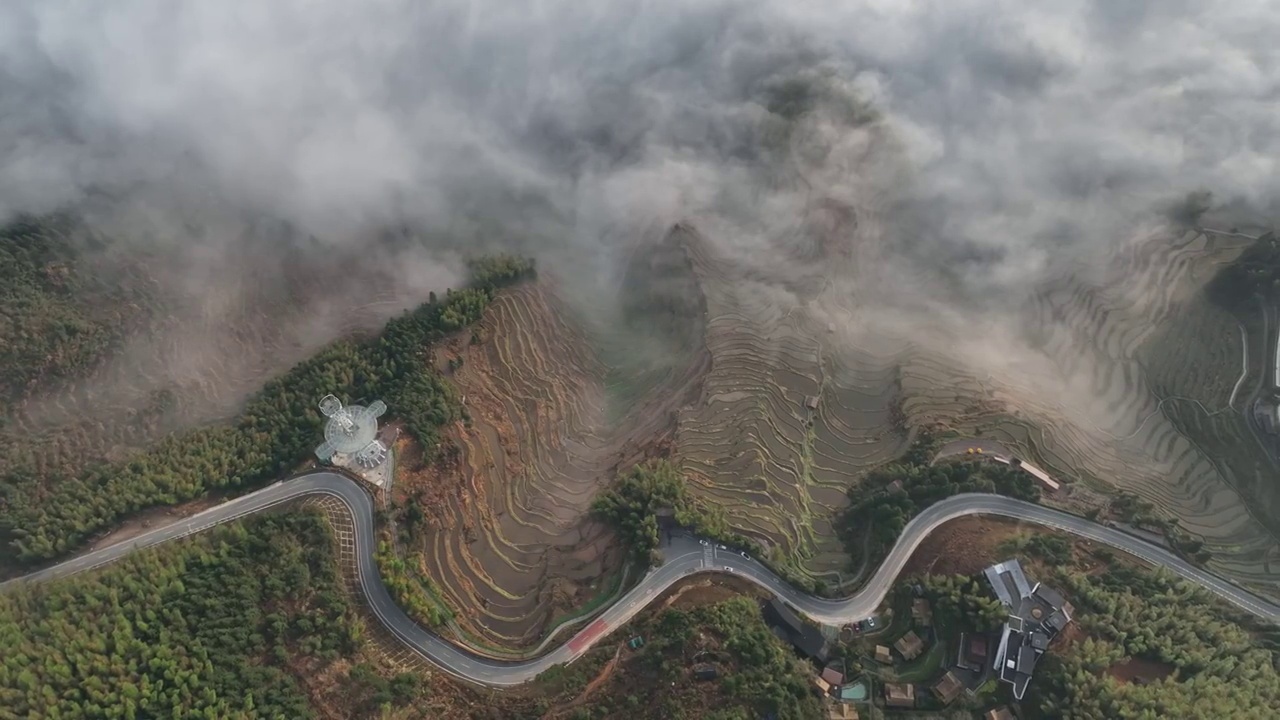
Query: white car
point(745, 555)
point(728, 569)
point(704, 542)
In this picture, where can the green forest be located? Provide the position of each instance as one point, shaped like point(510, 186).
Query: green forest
point(55, 321)
point(205, 628)
point(759, 676)
point(1221, 666)
point(44, 517)
point(632, 504)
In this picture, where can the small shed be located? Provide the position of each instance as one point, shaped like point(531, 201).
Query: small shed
point(811, 402)
point(921, 612)
point(705, 671)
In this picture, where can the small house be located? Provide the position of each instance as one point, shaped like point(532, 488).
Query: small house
point(902, 695)
point(842, 711)
point(833, 676)
point(1000, 713)
point(948, 687)
point(882, 654)
point(909, 645)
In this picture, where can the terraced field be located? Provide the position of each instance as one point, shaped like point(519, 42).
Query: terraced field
point(787, 421)
point(1130, 385)
point(513, 549)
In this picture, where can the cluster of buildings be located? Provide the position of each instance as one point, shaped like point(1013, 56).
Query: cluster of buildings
point(1037, 613)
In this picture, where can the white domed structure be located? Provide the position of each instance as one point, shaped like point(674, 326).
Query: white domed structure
point(352, 431)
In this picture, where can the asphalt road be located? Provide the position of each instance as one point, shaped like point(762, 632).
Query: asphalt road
point(683, 555)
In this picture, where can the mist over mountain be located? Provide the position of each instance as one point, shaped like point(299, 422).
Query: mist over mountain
point(960, 150)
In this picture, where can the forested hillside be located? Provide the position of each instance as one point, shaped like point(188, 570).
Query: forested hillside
point(206, 628)
point(43, 517)
point(1216, 667)
point(55, 321)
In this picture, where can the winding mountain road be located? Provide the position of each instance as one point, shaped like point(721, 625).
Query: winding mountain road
point(684, 555)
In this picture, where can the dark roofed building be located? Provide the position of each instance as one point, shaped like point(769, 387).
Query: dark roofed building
point(921, 612)
point(1052, 597)
point(1026, 660)
point(1039, 641)
point(1056, 621)
point(787, 625)
point(705, 671)
point(973, 652)
point(1036, 615)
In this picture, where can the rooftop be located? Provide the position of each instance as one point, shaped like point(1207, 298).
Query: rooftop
point(788, 626)
point(948, 687)
point(900, 694)
point(909, 645)
point(921, 611)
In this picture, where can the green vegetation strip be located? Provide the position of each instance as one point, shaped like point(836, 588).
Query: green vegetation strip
point(43, 517)
point(200, 629)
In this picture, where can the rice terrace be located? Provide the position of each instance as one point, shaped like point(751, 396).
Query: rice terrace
point(672, 360)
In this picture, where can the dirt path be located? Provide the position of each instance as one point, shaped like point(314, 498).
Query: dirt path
point(605, 674)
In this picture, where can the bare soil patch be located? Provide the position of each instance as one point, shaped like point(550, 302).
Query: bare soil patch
point(1139, 670)
point(963, 546)
point(151, 519)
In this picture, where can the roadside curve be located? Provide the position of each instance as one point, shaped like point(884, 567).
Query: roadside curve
point(683, 554)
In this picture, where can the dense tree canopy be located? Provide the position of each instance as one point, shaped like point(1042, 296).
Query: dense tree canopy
point(1220, 669)
point(202, 629)
point(765, 677)
point(43, 517)
point(55, 321)
point(632, 505)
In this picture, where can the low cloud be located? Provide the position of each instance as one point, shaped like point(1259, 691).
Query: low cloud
point(964, 147)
